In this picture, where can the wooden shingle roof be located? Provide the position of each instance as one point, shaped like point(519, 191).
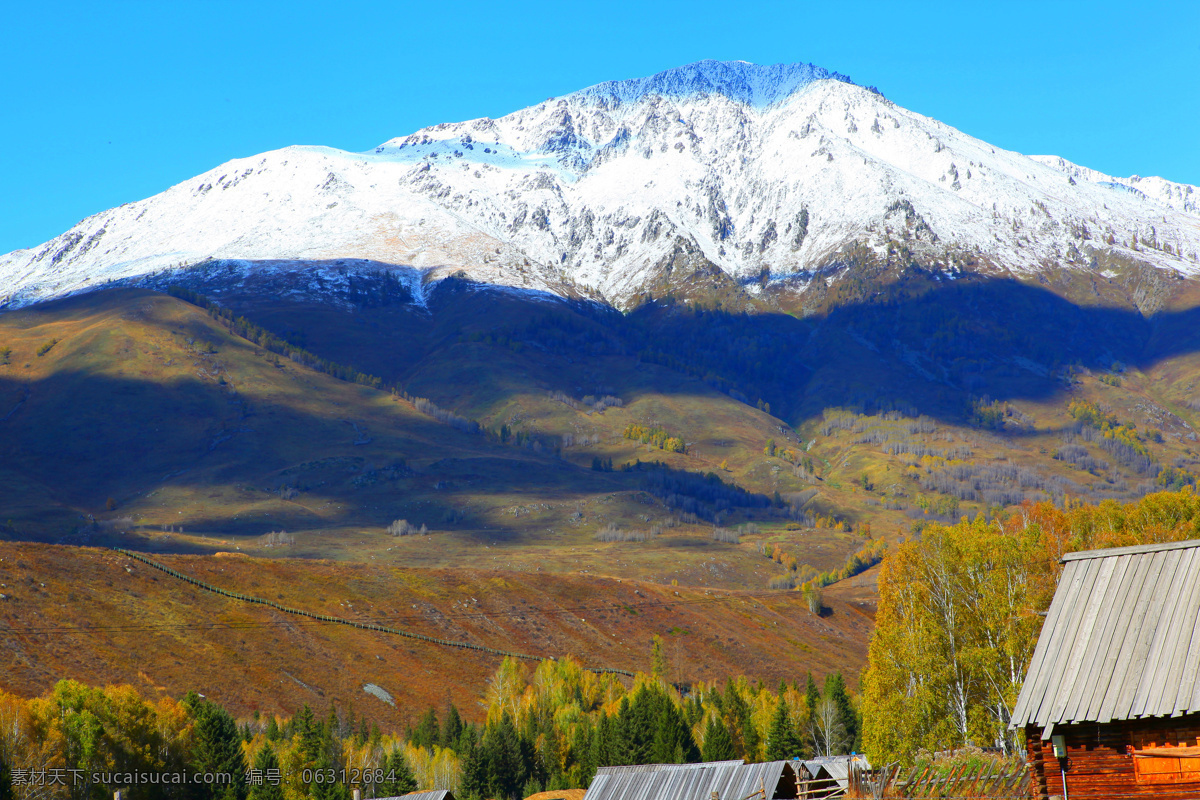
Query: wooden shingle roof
point(1121, 640)
point(731, 780)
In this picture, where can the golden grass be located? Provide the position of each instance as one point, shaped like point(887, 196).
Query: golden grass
point(101, 617)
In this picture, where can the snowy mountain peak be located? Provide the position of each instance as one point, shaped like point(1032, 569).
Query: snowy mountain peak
point(756, 85)
point(775, 176)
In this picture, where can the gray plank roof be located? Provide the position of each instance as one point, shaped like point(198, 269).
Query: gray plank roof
point(1121, 640)
point(440, 794)
point(732, 780)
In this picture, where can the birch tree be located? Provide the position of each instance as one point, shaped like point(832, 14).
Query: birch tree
point(953, 638)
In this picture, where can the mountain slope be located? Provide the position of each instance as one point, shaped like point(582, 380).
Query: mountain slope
point(81, 612)
point(769, 175)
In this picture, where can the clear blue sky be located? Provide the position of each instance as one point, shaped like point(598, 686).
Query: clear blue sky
point(105, 103)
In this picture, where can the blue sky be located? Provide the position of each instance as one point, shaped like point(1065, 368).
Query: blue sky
point(106, 103)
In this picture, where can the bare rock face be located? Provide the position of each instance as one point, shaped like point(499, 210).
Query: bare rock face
point(766, 174)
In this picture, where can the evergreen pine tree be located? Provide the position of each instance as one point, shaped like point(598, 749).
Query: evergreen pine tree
point(452, 728)
point(506, 765)
point(602, 742)
point(265, 760)
point(331, 743)
point(468, 741)
point(475, 780)
point(673, 742)
point(427, 733)
point(309, 730)
point(216, 748)
point(741, 728)
point(616, 739)
point(398, 776)
point(693, 712)
point(634, 729)
point(325, 785)
point(6, 790)
point(551, 753)
point(273, 732)
point(718, 744)
point(835, 690)
point(811, 695)
point(583, 754)
point(364, 732)
point(532, 767)
point(783, 743)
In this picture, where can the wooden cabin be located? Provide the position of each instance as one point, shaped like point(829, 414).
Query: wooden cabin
point(1111, 703)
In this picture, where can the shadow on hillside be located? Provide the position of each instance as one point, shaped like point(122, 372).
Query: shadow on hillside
point(934, 353)
point(85, 439)
point(90, 439)
point(936, 348)
point(924, 345)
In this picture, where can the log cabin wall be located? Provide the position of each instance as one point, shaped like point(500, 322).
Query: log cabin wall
point(1101, 760)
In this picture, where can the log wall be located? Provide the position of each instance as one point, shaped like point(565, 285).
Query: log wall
point(1100, 760)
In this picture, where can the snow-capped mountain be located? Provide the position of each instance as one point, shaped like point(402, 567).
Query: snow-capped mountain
point(769, 172)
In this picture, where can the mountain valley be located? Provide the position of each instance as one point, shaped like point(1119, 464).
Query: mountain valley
point(729, 329)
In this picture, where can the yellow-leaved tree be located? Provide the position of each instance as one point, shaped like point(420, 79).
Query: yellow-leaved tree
point(959, 616)
point(952, 641)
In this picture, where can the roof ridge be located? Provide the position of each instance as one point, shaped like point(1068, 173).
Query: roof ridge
point(1131, 550)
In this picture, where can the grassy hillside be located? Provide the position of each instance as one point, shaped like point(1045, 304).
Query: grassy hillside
point(895, 393)
point(560, 466)
point(148, 424)
point(902, 397)
point(98, 616)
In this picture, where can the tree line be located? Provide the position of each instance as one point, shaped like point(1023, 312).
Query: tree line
point(240, 326)
point(543, 728)
point(959, 616)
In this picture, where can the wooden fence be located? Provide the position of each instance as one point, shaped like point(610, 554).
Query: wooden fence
point(992, 781)
point(367, 626)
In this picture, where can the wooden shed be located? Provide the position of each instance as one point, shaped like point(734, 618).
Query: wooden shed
point(1111, 704)
point(725, 780)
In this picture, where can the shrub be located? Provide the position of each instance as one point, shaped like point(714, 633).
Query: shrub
point(278, 539)
point(813, 598)
point(403, 527)
point(725, 535)
point(611, 533)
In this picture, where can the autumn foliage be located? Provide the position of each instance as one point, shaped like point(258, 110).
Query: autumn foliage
point(959, 616)
point(655, 436)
